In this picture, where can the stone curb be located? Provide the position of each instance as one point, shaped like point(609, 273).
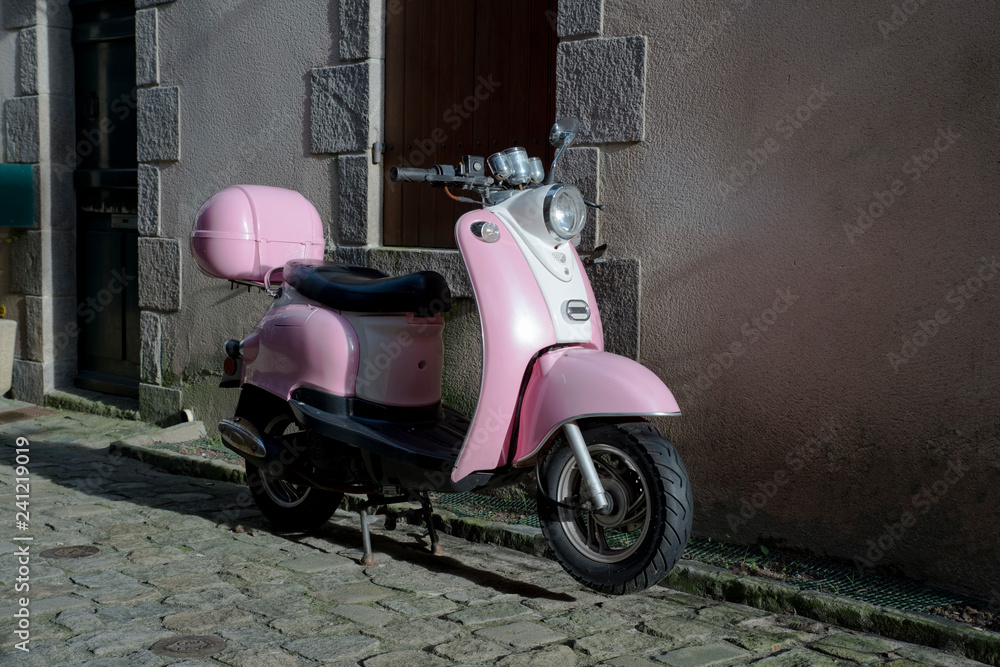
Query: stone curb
point(179, 464)
point(688, 576)
point(81, 401)
point(908, 626)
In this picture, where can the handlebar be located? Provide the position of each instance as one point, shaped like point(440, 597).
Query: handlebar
point(439, 175)
point(409, 174)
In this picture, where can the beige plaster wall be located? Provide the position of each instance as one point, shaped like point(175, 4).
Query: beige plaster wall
point(731, 202)
point(243, 73)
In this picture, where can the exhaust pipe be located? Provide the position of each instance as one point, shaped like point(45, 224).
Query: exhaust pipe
point(242, 437)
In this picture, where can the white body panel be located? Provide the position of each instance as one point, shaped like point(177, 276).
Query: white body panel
point(551, 262)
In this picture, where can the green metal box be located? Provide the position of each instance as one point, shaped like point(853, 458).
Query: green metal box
point(17, 195)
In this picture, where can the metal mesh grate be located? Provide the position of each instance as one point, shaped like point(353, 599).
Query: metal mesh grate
point(802, 572)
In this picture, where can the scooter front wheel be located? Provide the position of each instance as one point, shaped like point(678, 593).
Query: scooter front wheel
point(639, 541)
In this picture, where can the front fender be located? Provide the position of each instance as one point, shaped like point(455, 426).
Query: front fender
point(576, 382)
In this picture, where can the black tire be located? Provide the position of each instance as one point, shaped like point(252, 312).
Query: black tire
point(628, 550)
point(289, 507)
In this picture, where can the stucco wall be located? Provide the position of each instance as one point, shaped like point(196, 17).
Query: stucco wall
point(243, 73)
point(907, 479)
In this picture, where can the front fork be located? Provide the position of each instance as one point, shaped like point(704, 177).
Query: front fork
point(600, 500)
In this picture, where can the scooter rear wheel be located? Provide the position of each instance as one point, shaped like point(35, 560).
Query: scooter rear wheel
point(289, 507)
point(640, 540)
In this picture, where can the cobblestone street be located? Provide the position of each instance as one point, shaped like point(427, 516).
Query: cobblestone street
point(173, 563)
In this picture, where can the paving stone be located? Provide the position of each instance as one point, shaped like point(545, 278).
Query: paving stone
point(316, 563)
point(123, 595)
point(631, 661)
point(422, 582)
point(471, 650)
point(641, 608)
point(352, 593)
point(79, 620)
point(156, 555)
point(257, 656)
point(798, 657)
point(40, 592)
point(719, 653)
point(328, 649)
point(106, 579)
point(219, 596)
point(475, 594)
point(729, 614)
point(420, 633)
point(405, 659)
point(203, 622)
point(930, 656)
point(49, 605)
point(550, 656)
point(681, 629)
point(115, 614)
point(587, 621)
point(364, 615)
point(606, 645)
point(522, 635)
point(417, 607)
point(124, 640)
point(859, 648)
point(276, 607)
point(766, 639)
point(183, 583)
point(274, 589)
point(252, 635)
point(76, 511)
point(493, 612)
point(255, 572)
point(305, 625)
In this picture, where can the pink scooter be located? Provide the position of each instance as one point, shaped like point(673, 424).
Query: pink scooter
point(341, 377)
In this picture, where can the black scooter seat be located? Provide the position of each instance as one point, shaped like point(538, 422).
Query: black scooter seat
point(363, 290)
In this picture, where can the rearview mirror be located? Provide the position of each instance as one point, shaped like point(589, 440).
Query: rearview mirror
point(564, 132)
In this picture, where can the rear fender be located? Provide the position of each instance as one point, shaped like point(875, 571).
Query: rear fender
point(299, 345)
point(576, 383)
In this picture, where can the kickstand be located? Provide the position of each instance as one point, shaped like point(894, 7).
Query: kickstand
point(366, 539)
point(428, 513)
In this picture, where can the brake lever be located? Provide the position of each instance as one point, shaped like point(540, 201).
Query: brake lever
point(599, 207)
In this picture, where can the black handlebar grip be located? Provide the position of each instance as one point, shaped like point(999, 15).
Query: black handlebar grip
point(408, 174)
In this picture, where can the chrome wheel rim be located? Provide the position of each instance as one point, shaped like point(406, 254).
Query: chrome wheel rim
point(613, 537)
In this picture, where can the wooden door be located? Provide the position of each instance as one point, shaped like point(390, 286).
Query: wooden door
point(463, 77)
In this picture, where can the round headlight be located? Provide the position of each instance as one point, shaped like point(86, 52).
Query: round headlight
point(564, 211)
